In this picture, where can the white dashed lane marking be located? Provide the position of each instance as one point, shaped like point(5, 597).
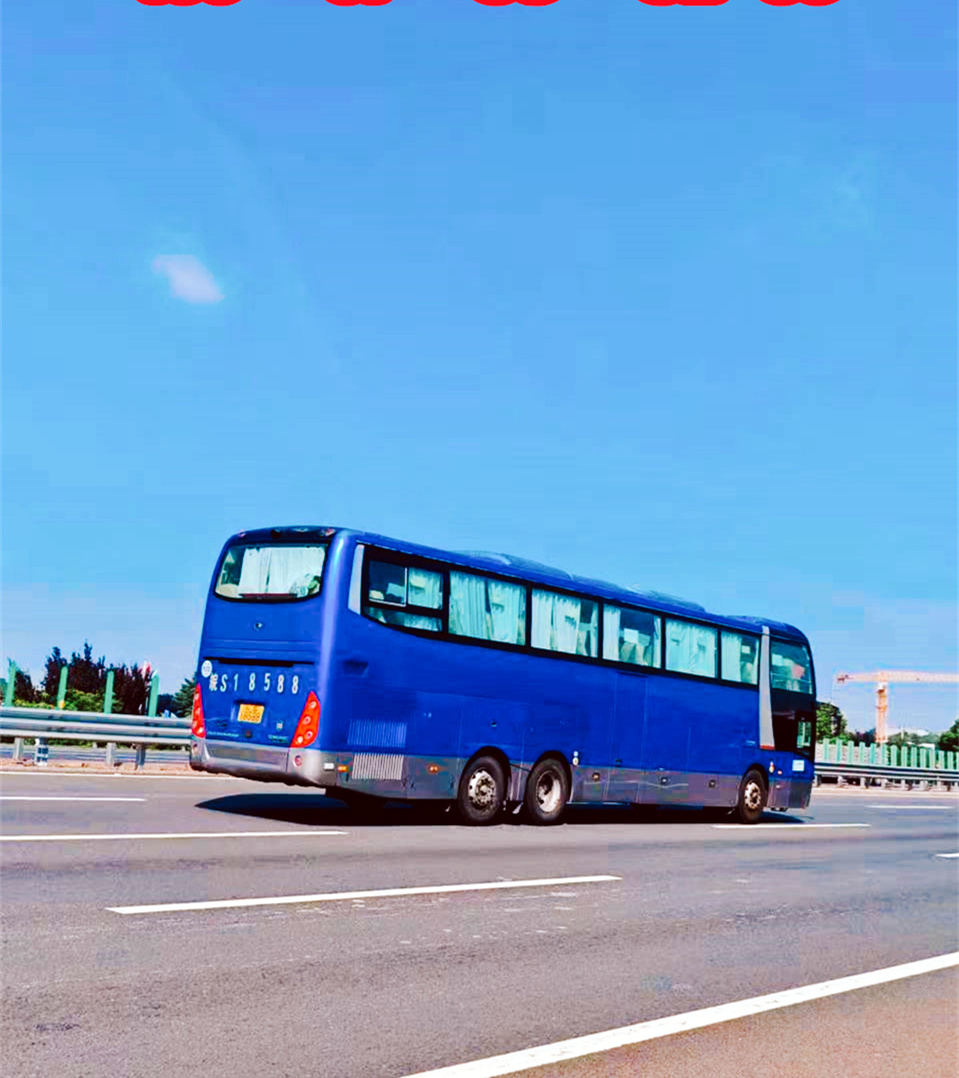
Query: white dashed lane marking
point(163, 834)
point(24, 797)
point(353, 896)
point(784, 828)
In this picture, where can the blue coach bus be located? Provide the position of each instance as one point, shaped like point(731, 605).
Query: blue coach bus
point(366, 666)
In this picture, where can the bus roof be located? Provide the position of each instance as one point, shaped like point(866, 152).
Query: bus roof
point(535, 573)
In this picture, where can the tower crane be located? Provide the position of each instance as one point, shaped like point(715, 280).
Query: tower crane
point(884, 678)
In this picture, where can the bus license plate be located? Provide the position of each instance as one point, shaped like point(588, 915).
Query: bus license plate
point(250, 713)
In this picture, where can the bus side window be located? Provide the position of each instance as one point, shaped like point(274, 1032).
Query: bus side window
point(631, 636)
point(416, 591)
point(565, 623)
point(690, 648)
point(740, 658)
point(487, 609)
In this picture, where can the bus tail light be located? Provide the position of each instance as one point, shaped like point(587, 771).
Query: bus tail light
point(309, 725)
point(199, 726)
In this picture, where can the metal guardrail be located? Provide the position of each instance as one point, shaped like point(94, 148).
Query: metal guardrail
point(840, 751)
point(868, 765)
point(42, 724)
point(870, 775)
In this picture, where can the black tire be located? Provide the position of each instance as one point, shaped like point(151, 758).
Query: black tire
point(482, 791)
point(547, 792)
point(751, 803)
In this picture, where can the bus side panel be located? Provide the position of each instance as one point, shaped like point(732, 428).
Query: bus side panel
point(398, 701)
point(628, 780)
point(387, 711)
point(571, 712)
point(670, 704)
point(699, 740)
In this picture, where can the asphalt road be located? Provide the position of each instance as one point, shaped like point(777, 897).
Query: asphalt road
point(696, 914)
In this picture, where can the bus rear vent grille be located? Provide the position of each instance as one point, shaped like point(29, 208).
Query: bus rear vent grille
point(378, 734)
point(378, 765)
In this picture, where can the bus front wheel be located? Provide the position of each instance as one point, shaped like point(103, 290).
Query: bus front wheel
point(482, 791)
point(752, 797)
point(547, 791)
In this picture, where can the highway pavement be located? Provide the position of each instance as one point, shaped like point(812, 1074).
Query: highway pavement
point(203, 926)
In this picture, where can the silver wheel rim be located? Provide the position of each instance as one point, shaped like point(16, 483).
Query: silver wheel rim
point(549, 793)
point(481, 790)
point(753, 796)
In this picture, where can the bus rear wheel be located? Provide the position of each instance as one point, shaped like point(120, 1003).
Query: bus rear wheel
point(751, 802)
point(482, 791)
point(547, 792)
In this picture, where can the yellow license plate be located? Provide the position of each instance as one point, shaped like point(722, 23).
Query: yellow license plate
point(250, 713)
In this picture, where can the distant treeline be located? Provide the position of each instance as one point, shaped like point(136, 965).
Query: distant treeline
point(86, 686)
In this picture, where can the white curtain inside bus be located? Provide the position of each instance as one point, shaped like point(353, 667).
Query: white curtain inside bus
point(564, 623)
point(424, 588)
point(280, 570)
point(487, 609)
point(690, 649)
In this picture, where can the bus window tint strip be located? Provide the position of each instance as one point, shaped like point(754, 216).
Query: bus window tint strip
point(487, 609)
point(790, 667)
point(740, 658)
point(690, 648)
point(565, 623)
point(631, 636)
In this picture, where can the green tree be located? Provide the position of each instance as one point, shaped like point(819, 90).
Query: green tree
point(830, 721)
point(130, 691)
point(87, 675)
point(51, 677)
point(87, 683)
point(75, 700)
point(183, 699)
point(24, 691)
point(948, 740)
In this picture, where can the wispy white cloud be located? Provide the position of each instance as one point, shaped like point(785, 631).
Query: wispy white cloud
point(189, 279)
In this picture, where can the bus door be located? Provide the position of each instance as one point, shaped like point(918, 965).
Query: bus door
point(793, 704)
point(624, 776)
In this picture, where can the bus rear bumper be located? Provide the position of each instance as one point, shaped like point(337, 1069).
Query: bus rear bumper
point(385, 775)
point(265, 763)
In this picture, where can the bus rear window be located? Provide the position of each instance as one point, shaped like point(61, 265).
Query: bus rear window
point(271, 572)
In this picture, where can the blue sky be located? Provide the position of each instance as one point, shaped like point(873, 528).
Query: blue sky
point(661, 295)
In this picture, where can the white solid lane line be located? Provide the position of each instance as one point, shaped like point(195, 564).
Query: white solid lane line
point(345, 896)
point(915, 808)
point(947, 855)
point(24, 797)
point(784, 827)
point(576, 1047)
point(164, 834)
point(135, 776)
